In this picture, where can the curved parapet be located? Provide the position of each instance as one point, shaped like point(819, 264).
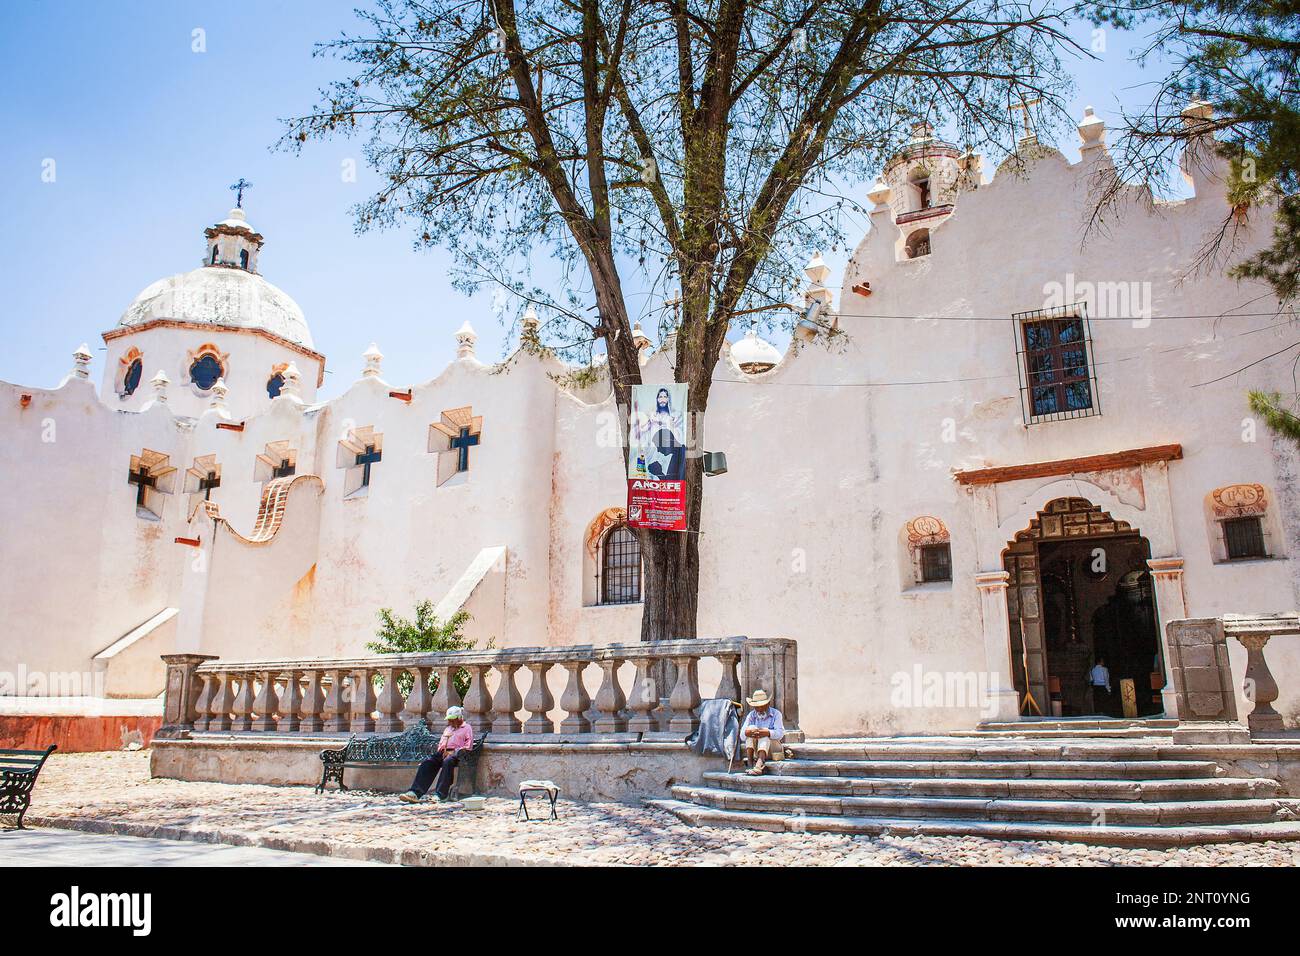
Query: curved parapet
point(270, 513)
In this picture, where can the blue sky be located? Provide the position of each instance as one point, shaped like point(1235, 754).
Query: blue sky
point(146, 135)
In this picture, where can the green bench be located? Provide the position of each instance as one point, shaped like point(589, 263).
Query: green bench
point(18, 771)
point(408, 749)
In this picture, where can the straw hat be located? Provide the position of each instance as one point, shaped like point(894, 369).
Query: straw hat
point(760, 699)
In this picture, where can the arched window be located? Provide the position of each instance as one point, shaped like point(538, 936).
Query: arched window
point(918, 244)
point(205, 371)
point(920, 182)
point(620, 566)
point(243, 259)
point(214, 256)
point(131, 381)
point(274, 384)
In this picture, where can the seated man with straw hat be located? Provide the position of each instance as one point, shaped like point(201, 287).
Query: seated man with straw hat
point(761, 731)
point(456, 737)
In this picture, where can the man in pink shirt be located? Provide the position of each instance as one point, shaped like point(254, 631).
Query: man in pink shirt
point(457, 737)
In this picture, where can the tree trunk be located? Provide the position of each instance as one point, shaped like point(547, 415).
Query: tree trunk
point(670, 563)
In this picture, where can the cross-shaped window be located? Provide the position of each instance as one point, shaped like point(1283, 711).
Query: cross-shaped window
point(365, 460)
point(142, 480)
point(207, 483)
point(462, 444)
point(451, 438)
point(284, 469)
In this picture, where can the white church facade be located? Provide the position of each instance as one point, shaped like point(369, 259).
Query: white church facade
point(1007, 450)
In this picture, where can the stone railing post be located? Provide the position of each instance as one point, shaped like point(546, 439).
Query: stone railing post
point(203, 706)
point(478, 702)
point(363, 702)
point(243, 705)
point(773, 665)
point(539, 701)
point(729, 683)
point(290, 701)
point(389, 702)
point(610, 701)
point(644, 697)
point(507, 701)
point(996, 630)
point(180, 702)
point(685, 697)
point(575, 701)
point(1260, 687)
point(267, 704)
point(417, 701)
point(223, 699)
point(313, 704)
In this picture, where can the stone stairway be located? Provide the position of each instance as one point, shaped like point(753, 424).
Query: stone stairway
point(1052, 783)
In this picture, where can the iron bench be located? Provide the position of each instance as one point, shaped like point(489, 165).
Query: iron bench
point(408, 749)
point(18, 771)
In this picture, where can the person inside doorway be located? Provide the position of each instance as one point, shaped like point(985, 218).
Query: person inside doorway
point(1125, 633)
point(458, 736)
point(1099, 682)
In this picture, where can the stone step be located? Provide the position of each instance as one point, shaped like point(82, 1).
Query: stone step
point(1132, 813)
point(1009, 769)
point(1079, 724)
point(1120, 789)
point(979, 749)
point(1038, 733)
point(1167, 836)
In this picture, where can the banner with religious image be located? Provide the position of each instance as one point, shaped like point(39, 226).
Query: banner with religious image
point(656, 457)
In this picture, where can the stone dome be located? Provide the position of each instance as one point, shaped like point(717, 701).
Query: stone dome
point(224, 297)
point(753, 354)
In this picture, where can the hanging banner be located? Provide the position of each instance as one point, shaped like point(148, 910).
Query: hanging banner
point(656, 457)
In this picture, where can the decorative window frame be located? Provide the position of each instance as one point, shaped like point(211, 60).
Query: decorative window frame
point(1076, 310)
point(592, 553)
point(350, 445)
point(196, 473)
point(921, 532)
point(275, 453)
point(1242, 500)
point(194, 355)
point(278, 369)
point(600, 568)
point(129, 358)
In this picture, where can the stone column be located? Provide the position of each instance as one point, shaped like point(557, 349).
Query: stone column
point(180, 703)
point(1171, 605)
point(1003, 702)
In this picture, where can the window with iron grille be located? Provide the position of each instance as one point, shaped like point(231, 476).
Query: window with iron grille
point(1054, 353)
point(1244, 538)
point(620, 567)
point(936, 563)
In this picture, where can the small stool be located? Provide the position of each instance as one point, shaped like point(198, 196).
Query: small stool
point(547, 787)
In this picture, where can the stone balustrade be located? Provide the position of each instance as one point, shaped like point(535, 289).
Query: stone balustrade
point(365, 694)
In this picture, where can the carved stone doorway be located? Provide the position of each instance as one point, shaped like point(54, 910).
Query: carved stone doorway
point(1079, 591)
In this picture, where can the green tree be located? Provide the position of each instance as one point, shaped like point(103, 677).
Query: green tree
point(699, 148)
point(424, 633)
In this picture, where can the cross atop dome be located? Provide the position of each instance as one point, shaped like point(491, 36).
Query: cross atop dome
point(238, 189)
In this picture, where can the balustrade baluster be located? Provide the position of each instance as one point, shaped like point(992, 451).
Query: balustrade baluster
point(203, 705)
point(267, 704)
point(445, 696)
point(575, 700)
point(290, 701)
point(506, 702)
point(363, 702)
point(243, 706)
point(539, 701)
point(417, 701)
point(610, 701)
point(478, 702)
point(389, 702)
point(222, 700)
point(685, 697)
point(644, 697)
point(336, 706)
point(729, 683)
point(313, 703)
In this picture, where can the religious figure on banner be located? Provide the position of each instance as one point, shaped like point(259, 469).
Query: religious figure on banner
point(657, 432)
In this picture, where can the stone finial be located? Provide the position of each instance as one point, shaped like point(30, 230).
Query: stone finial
point(879, 194)
point(292, 387)
point(639, 338)
point(159, 382)
point(922, 132)
point(219, 392)
point(374, 360)
point(1092, 131)
point(529, 326)
point(465, 339)
point(81, 362)
point(971, 166)
point(817, 272)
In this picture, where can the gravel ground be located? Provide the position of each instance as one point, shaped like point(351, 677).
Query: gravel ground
point(113, 792)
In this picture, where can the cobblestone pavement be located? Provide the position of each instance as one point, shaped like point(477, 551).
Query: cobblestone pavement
point(31, 847)
point(113, 792)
